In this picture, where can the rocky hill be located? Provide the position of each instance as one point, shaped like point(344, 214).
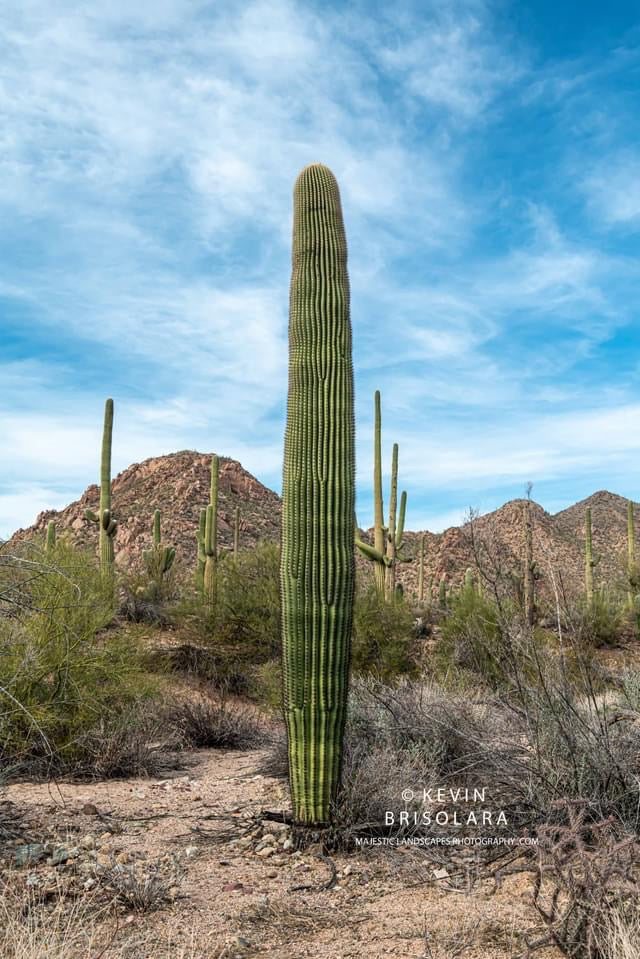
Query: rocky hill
point(178, 485)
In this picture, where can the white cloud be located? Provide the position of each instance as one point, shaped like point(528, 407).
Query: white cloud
point(613, 189)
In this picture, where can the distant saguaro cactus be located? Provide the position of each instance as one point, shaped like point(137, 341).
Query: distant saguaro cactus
point(442, 592)
point(159, 559)
point(50, 542)
point(318, 499)
point(236, 533)
point(201, 557)
point(104, 519)
point(210, 544)
point(421, 571)
point(387, 540)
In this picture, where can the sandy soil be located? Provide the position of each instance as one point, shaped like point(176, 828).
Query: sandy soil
point(233, 899)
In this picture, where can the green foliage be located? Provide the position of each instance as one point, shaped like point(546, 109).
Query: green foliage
point(383, 644)
point(248, 611)
point(59, 674)
point(599, 622)
point(472, 640)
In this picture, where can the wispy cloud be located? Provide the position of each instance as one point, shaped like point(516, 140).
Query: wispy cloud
point(147, 157)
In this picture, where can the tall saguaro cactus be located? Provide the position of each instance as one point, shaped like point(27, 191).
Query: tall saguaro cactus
point(236, 533)
point(387, 540)
point(318, 498)
point(210, 545)
point(105, 521)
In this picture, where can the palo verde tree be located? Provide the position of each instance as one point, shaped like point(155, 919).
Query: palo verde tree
point(318, 498)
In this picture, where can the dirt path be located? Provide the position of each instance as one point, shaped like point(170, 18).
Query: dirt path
point(229, 883)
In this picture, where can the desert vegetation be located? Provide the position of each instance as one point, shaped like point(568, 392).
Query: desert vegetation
point(476, 701)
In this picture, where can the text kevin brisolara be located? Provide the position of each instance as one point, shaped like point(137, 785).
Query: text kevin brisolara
point(451, 815)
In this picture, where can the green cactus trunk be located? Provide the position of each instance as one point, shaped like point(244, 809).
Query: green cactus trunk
point(201, 555)
point(50, 542)
point(421, 571)
point(390, 572)
point(588, 559)
point(236, 533)
point(378, 505)
point(631, 553)
point(317, 560)
point(442, 592)
point(468, 580)
point(211, 537)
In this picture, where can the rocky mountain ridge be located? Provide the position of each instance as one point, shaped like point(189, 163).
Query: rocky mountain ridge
point(178, 484)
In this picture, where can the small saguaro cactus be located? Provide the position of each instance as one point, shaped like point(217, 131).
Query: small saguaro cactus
point(590, 561)
point(105, 521)
point(50, 541)
point(159, 559)
point(421, 570)
point(201, 556)
point(387, 540)
point(317, 571)
point(210, 545)
point(236, 533)
point(442, 592)
point(468, 580)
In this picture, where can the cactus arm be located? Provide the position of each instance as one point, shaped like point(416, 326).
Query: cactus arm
point(318, 499)
point(371, 552)
point(378, 505)
point(107, 525)
point(156, 528)
point(401, 520)
point(91, 516)
point(211, 536)
point(201, 556)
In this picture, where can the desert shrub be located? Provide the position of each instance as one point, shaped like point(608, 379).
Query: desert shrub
point(600, 623)
point(383, 641)
point(248, 604)
point(473, 639)
point(60, 672)
point(266, 686)
point(144, 599)
point(216, 723)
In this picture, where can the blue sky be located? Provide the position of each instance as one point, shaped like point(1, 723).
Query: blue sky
point(487, 155)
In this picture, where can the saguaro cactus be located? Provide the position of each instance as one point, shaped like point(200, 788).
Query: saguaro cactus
point(387, 540)
point(105, 521)
point(50, 542)
point(442, 592)
point(236, 533)
point(201, 557)
point(590, 561)
point(421, 571)
point(318, 498)
point(159, 559)
point(210, 545)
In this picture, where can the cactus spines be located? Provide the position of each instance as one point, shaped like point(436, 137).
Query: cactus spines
point(421, 571)
point(590, 561)
point(50, 542)
point(236, 533)
point(318, 499)
point(201, 556)
point(210, 545)
point(390, 572)
point(107, 525)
